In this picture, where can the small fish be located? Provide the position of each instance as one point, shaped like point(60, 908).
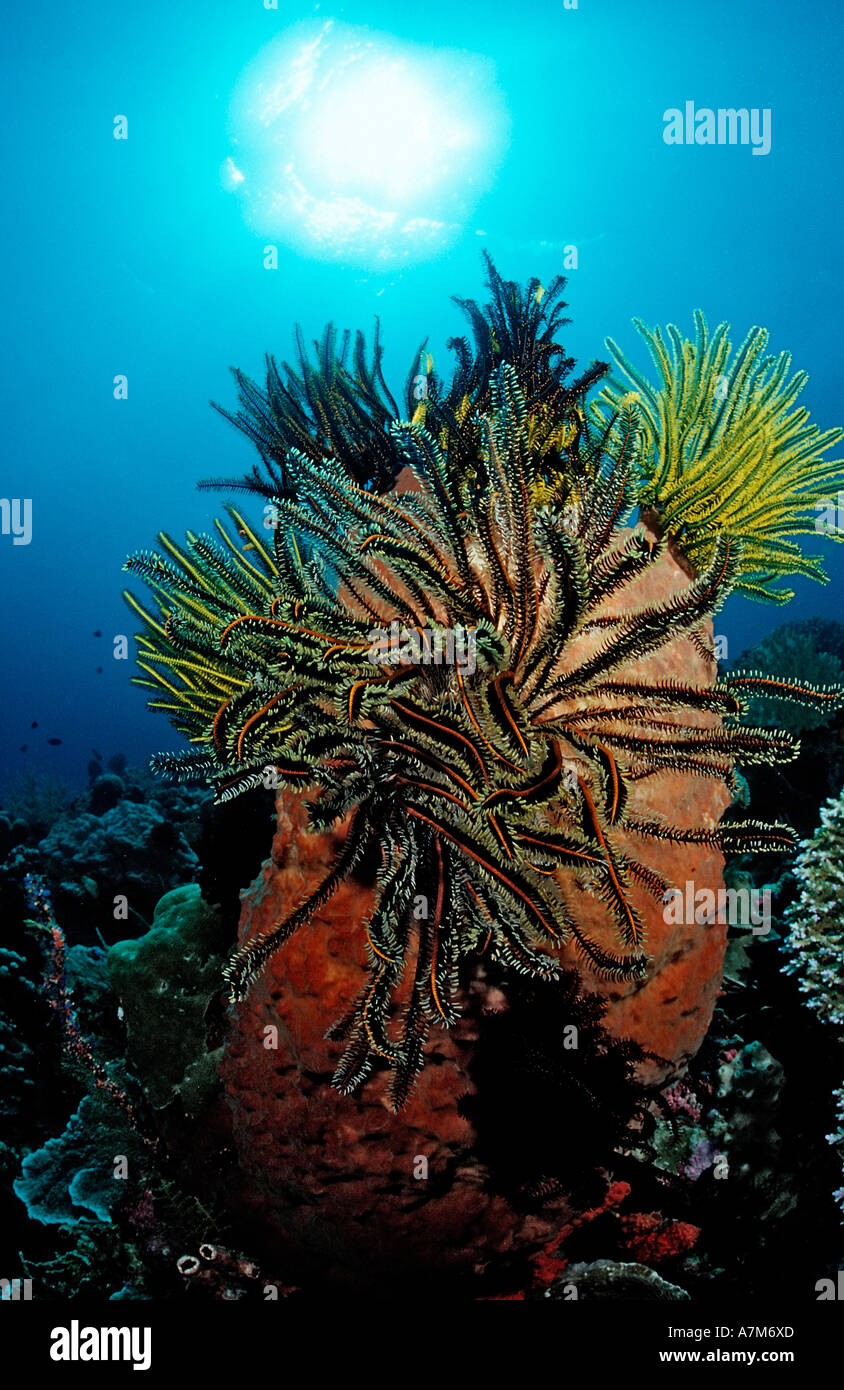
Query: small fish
point(24, 747)
point(98, 633)
point(99, 670)
point(54, 742)
point(539, 293)
point(34, 724)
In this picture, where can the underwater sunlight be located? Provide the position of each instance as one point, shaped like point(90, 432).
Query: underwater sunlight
point(355, 146)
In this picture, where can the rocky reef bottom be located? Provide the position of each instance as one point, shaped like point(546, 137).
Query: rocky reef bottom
point(127, 1169)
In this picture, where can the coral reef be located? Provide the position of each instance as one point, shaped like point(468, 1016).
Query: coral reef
point(16, 1056)
point(611, 1280)
point(106, 790)
point(474, 835)
point(742, 1123)
point(90, 1261)
point(735, 1104)
point(72, 1202)
point(132, 851)
point(36, 800)
point(815, 646)
point(78, 1047)
point(149, 850)
point(164, 981)
point(815, 940)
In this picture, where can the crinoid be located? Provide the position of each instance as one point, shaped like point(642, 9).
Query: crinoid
point(725, 450)
point(338, 405)
point(434, 664)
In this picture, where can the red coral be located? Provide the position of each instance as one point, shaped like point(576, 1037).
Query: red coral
point(548, 1265)
point(681, 1100)
point(651, 1238)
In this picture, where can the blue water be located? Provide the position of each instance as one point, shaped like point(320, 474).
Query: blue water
point(131, 257)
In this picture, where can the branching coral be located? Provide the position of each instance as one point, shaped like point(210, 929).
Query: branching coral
point(475, 778)
point(725, 449)
point(815, 920)
point(77, 1047)
point(815, 941)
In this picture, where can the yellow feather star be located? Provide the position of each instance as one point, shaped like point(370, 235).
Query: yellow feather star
point(725, 449)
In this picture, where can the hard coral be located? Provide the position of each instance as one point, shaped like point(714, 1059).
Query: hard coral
point(815, 941)
point(164, 981)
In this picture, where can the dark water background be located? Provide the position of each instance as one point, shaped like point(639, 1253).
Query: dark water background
point(131, 257)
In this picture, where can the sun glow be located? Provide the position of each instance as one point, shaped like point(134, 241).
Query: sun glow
point(384, 134)
point(355, 146)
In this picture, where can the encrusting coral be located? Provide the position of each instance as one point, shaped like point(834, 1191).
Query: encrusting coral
point(725, 450)
point(439, 665)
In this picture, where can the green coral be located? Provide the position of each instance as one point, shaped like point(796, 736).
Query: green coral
point(72, 1177)
point(164, 981)
point(725, 448)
